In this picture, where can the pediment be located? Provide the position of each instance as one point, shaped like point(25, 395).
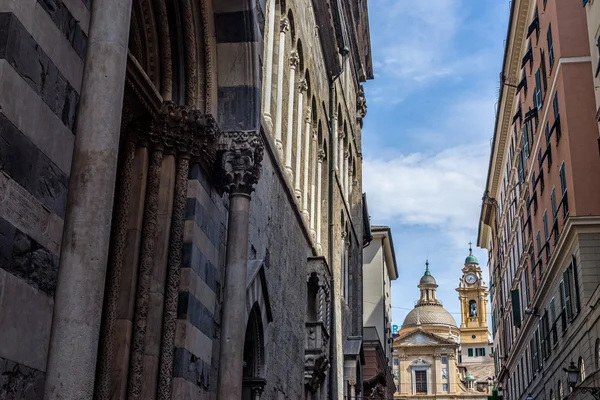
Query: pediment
point(420, 337)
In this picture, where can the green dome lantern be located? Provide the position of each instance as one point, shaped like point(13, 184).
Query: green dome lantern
point(471, 259)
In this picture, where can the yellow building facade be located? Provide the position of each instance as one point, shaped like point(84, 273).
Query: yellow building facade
point(426, 353)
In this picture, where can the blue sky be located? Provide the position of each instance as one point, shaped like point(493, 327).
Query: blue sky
point(427, 135)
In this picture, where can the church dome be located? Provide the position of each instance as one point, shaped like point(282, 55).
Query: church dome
point(429, 310)
point(427, 278)
point(471, 259)
point(429, 315)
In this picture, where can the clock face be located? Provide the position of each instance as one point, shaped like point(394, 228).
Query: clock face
point(471, 278)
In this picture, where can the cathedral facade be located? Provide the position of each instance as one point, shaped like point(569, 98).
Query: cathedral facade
point(432, 356)
point(181, 206)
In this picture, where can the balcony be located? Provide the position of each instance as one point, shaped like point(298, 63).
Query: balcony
point(316, 360)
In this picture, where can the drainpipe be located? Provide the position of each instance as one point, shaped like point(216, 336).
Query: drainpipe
point(330, 211)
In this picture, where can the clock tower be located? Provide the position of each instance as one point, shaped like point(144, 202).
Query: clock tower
point(473, 295)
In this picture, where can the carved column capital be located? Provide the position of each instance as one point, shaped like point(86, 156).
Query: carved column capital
point(321, 156)
point(361, 103)
point(302, 85)
point(346, 154)
point(308, 115)
point(341, 135)
point(294, 59)
point(241, 160)
point(284, 25)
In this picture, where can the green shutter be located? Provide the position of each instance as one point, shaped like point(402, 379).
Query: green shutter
point(567, 280)
point(516, 307)
point(483, 351)
point(575, 283)
point(470, 352)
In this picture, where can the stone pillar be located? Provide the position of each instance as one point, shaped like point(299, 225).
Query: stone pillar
point(149, 231)
point(289, 140)
point(284, 26)
point(341, 149)
point(313, 158)
point(307, 140)
point(350, 184)
point(335, 140)
point(269, 60)
point(115, 268)
point(320, 159)
point(242, 158)
point(167, 345)
point(302, 87)
point(79, 295)
point(345, 174)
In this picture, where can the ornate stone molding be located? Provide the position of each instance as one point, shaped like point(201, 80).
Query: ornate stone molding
point(308, 116)
point(185, 131)
point(302, 84)
point(294, 59)
point(284, 25)
point(241, 160)
point(361, 103)
point(321, 155)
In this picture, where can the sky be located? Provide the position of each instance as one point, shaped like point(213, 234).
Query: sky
point(427, 135)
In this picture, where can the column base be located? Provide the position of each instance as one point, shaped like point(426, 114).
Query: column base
point(268, 121)
point(306, 216)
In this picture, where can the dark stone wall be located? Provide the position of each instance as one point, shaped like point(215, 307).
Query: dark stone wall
point(18, 382)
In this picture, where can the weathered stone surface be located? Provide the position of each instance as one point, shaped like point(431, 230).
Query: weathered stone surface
point(31, 62)
point(192, 309)
point(193, 258)
point(18, 382)
point(191, 368)
point(67, 24)
point(25, 318)
point(31, 168)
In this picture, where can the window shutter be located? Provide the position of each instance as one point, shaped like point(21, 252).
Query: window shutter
point(483, 352)
point(470, 352)
point(575, 283)
point(516, 307)
point(567, 285)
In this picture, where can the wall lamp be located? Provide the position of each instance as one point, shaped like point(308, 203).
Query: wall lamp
point(573, 374)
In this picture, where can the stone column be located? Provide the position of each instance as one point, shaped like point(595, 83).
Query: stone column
point(307, 140)
point(313, 178)
point(149, 231)
point(345, 174)
point(79, 292)
point(320, 159)
point(269, 61)
point(167, 345)
point(289, 140)
point(340, 166)
point(302, 87)
point(335, 140)
point(284, 26)
point(350, 184)
point(242, 158)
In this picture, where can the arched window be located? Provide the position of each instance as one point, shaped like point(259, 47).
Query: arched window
point(472, 309)
point(597, 353)
point(312, 300)
point(561, 393)
point(581, 369)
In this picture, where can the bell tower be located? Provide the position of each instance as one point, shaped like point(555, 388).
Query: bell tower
point(473, 294)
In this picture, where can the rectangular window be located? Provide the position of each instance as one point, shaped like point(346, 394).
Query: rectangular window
point(538, 241)
point(445, 387)
point(598, 59)
point(527, 289)
point(575, 282)
point(545, 226)
point(563, 306)
point(521, 172)
point(526, 140)
point(421, 382)
point(396, 361)
point(563, 189)
point(470, 352)
point(444, 360)
point(537, 94)
point(553, 321)
point(543, 66)
point(550, 47)
point(480, 352)
point(553, 202)
point(567, 294)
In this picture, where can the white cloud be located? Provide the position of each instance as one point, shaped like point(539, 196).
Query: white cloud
point(428, 189)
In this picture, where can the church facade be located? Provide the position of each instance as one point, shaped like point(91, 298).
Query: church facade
point(181, 205)
point(429, 352)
